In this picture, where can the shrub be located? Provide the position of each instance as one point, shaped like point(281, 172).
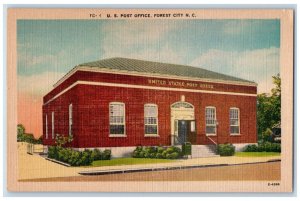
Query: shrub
point(106, 154)
point(77, 158)
point(264, 147)
point(160, 149)
point(170, 150)
point(139, 148)
point(226, 149)
point(138, 152)
point(164, 154)
point(152, 155)
point(150, 150)
point(96, 154)
point(270, 147)
point(135, 154)
point(173, 155)
point(52, 152)
point(159, 155)
point(73, 159)
point(146, 155)
point(157, 152)
point(141, 154)
point(99, 155)
point(86, 157)
point(276, 147)
point(251, 148)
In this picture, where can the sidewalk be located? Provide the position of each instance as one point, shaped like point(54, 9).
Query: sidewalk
point(171, 166)
point(179, 164)
point(34, 166)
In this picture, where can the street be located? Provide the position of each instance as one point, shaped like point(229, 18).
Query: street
point(260, 171)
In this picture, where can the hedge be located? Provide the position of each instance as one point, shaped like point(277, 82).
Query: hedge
point(264, 147)
point(77, 158)
point(225, 149)
point(157, 152)
point(27, 137)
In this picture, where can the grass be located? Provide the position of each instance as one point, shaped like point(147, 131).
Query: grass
point(128, 161)
point(256, 154)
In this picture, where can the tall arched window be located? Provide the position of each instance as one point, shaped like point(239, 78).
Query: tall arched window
point(151, 119)
point(116, 119)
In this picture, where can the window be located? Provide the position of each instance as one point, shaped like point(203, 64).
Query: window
point(151, 119)
point(52, 125)
point(210, 120)
point(234, 116)
point(116, 119)
point(193, 126)
point(70, 119)
point(182, 105)
point(46, 127)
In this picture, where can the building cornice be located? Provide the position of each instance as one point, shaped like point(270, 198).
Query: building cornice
point(107, 84)
point(144, 74)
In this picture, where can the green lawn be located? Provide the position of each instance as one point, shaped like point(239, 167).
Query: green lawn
point(129, 161)
point(256, 154)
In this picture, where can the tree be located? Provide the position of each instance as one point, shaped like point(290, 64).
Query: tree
point(26, 137)
point(20, 133)
point(61, 140)
point(269, 108)
point(40, 140)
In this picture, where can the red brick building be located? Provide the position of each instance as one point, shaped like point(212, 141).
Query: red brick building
point(124, 103)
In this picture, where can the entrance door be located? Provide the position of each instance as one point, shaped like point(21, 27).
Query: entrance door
point(182, 131)
point(187, 131)
point(191, 131)
point(182, 113)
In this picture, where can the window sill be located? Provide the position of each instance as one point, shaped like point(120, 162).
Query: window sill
point(235, 134)
point(211, 134)
point(118, 135)
point(150, 135)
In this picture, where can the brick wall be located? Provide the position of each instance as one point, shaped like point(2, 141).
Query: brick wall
point(91, 111)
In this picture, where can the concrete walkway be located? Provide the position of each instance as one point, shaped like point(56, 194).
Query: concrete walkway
point(34, 166)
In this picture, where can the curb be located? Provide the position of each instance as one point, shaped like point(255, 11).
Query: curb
point(131, 170)
point(58, 162)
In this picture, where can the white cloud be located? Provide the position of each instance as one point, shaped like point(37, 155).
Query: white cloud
point(137, 39)
point(256, 65)
point(38, 84)
point(135, 32)
point(30, 60)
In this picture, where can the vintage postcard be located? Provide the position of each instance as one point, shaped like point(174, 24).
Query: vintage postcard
point(150, 100)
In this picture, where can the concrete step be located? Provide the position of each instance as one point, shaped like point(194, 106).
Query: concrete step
point(202, 151)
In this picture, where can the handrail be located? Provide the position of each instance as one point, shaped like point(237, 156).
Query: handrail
point(212, 141)
point(179, 140)
point(214, 144)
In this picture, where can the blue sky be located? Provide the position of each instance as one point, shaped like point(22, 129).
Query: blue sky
point(48, 49)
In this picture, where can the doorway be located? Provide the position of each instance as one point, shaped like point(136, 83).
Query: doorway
point(183, 126)
point(187, 131)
